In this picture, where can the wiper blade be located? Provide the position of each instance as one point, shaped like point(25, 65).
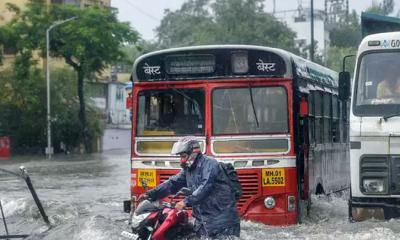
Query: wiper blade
point(252, 105)
point(190, 99)
point(390, 116)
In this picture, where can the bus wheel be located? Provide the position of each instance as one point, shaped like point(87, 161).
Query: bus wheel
point(304, 210)
point(319, 190)
point(351, 219)
point(350, 212)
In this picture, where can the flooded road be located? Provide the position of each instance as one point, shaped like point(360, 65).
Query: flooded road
point(83, 195)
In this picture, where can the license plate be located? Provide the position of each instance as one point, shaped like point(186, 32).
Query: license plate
point(273, 177)
point(129, 235)
point(148, 175)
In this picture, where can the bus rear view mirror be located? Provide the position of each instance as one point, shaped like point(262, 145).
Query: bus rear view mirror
point(344, 86)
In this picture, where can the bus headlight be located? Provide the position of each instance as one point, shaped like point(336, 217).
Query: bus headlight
point(269, 202)
point(374, 186)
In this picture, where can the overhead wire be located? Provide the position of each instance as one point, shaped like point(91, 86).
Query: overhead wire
point(143, 12)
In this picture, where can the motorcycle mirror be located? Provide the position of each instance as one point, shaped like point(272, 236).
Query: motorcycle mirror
point(144, 184)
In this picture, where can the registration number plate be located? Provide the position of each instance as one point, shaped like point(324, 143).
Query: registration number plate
point(148, 175)
point(273, 177)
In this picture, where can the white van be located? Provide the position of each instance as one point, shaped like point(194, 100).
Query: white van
point(375, 128)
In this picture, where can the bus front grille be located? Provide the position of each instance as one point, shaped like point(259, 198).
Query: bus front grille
point(374, 167)
point(250, 187)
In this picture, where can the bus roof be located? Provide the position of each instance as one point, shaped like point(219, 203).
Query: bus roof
point(156, 66)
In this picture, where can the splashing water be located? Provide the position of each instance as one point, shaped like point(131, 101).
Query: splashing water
point(83, 195)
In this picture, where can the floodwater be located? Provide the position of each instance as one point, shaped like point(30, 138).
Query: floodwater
point(83, 195)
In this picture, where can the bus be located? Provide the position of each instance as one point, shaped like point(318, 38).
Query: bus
point(274, 115)
point(375, 128)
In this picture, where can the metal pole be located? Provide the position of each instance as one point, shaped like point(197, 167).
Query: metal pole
point(4, 218)
point(28, 181)
point(274, 8)
point(312, 31)
point(49, 149)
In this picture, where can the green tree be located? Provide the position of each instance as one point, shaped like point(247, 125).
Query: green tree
point(200, 22)
point(133, 51)
point(335, 55)
point(384, 8)
point(89, 44)
point(348, 33)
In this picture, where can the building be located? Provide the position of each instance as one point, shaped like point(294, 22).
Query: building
point(83, 3)
point(327, 15)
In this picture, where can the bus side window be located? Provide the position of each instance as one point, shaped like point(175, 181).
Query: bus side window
point(335, 119)
point(318, 103)
point(342, 121)
point(345, 117)
point(327, 102)
point(311, 118)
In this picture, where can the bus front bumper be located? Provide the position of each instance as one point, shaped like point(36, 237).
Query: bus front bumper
point(361, 209)
point(281, 219)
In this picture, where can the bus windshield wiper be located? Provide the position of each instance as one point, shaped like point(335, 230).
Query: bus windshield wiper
point(180, 92)
point(252, 105)
point(390, 116)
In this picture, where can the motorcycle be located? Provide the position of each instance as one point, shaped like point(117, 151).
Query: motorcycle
point(159, 220)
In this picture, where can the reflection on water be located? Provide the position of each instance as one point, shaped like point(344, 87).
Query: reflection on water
point(83, 195)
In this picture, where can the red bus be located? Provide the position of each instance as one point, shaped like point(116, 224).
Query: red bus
point(275, 116)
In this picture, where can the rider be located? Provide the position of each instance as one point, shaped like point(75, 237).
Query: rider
point(212, 200)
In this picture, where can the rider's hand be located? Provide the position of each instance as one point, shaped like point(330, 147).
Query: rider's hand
point(180, 205)
point(143, 197)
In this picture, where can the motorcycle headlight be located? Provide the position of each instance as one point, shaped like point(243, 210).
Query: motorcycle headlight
point(137, 219)
point(374, 186)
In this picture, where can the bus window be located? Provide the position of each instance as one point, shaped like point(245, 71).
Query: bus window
point(318, 117)
point(234, 113)
point(335, 119)
point(311, 126)
point(171, 112)
point(327, 117)
point(378, 84)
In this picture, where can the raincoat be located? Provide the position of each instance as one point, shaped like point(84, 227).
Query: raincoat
point(212, 200)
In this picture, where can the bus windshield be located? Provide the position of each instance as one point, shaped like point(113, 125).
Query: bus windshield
point(250, 110)
point(378, 84)
point(172, 112)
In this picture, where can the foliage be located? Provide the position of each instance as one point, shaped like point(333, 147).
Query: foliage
point(200, 22)
point(384, 8)
point(88, 44)
point(348, 33)
point(22, 113)
point(335, 57)
point(133, 51)
point(23, 110)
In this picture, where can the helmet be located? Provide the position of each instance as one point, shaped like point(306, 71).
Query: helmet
point(185, 145)
point(188, 145)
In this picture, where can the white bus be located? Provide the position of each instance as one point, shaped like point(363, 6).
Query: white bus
point(375, 128)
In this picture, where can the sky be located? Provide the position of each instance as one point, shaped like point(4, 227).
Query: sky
point(145, 15)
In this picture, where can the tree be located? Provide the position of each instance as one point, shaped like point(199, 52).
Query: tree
point(200, 22)
point(384, 8)
point(89, 44)
point(348, 33)
point(133, 51)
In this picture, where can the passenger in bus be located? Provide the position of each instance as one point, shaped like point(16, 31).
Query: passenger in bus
point(212, 200)
point(389, 87)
